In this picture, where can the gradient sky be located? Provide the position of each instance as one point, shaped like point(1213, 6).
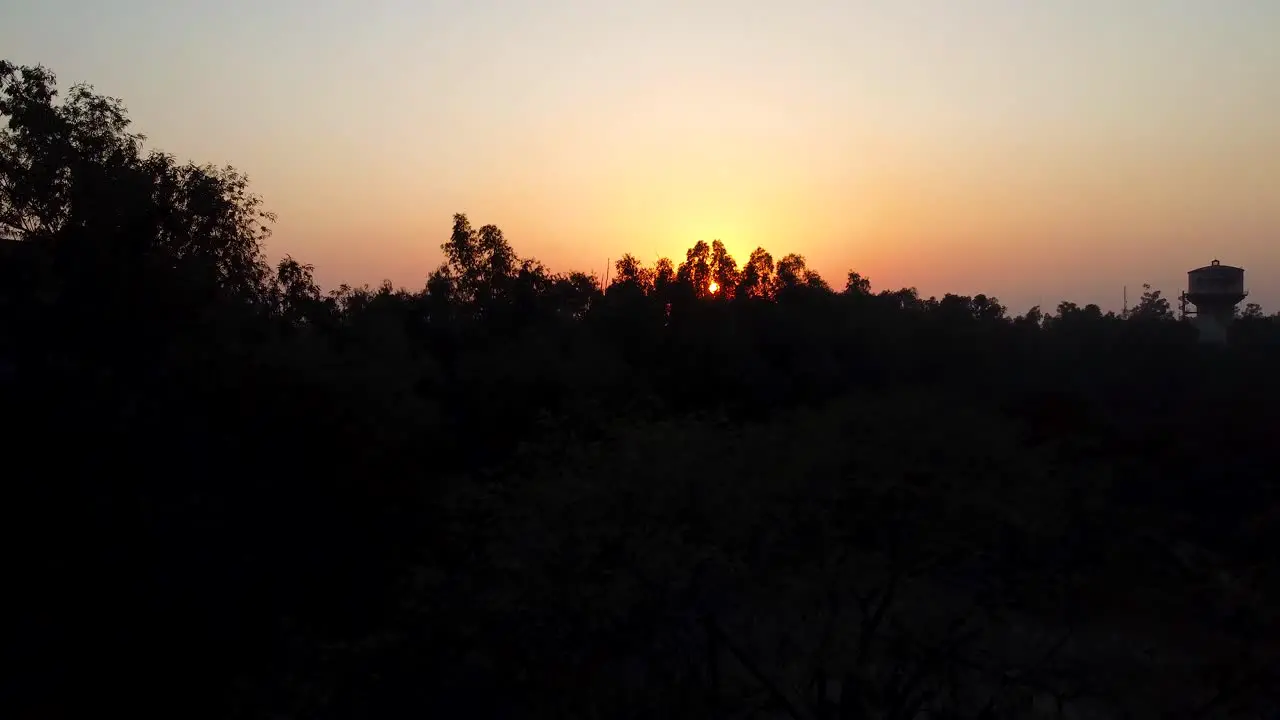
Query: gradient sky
point(1032, 150)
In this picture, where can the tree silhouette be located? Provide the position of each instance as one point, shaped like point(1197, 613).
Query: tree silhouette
point(857, 284)
point(724, 269)
point(791, 271)
point(627, 270)
point(76, 180)
point(1151, 306)
point(757, 275)
point(696, 270)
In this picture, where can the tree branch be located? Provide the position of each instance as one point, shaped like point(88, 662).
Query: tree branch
point(752, 668)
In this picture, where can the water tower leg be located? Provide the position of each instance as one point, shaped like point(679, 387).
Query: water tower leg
point(1212, 327)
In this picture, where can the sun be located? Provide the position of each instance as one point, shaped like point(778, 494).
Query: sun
point(713, 287)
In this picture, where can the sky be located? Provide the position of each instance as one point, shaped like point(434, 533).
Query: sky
point(1035, 151)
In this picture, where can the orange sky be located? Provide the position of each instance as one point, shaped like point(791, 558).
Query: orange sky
point(1035, 151)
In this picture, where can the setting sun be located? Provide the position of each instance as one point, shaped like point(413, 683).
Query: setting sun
point(713, 287)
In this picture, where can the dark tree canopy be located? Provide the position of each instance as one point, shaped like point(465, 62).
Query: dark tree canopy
point(708, 489)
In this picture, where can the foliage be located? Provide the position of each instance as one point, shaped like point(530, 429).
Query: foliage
point(514, 493)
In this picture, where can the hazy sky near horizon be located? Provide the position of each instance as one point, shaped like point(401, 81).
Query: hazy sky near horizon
point(1032, 150)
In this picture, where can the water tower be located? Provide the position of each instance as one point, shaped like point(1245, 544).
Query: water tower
point(1215, 290)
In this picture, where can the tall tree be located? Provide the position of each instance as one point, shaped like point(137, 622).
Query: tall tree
point(627, 270)
point(696, 268)
point(75, 179)
point(1151, 306)
point(856, 284)
point(791, 271)
point(480, 263)
point(757, 275)
point(724, 269)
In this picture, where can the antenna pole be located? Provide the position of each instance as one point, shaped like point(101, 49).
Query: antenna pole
point(1126, 302)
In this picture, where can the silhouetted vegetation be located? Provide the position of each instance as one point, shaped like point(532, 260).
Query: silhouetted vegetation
point(707, 490)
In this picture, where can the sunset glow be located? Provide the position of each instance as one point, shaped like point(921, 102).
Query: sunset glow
point(1033, 151)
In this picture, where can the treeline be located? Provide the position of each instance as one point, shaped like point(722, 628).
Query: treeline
point(706, 490)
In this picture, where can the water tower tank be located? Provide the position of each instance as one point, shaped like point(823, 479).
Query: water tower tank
point(1215, 290)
